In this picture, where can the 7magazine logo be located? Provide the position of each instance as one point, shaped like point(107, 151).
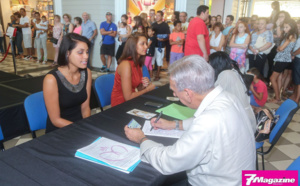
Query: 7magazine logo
point(258, 178)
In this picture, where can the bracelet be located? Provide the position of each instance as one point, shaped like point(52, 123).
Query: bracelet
point(143, 139)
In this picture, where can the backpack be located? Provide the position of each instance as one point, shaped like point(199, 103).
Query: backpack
point(266, 120)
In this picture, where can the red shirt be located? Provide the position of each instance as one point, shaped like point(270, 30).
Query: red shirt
point(117, 96)
point(196, 27)
point(260, 87)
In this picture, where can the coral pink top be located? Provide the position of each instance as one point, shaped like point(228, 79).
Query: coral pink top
point(77, 30)
point(136, 79)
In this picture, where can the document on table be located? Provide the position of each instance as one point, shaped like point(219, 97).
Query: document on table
point(159, 132)
point(177, 111)
point(112, 154)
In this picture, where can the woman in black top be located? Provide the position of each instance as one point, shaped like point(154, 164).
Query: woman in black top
point(67, 89)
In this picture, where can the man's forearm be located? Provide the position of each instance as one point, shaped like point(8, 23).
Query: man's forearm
point(202, 46)
point(94, 34)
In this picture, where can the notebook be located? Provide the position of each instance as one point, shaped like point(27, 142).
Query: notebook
point(112, 154)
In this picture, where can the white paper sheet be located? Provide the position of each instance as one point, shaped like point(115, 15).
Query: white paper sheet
point(159, 132)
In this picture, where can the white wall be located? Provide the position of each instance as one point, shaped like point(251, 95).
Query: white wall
point(228, 10)
point(97, 10)
point(217, 7)
point(180, 5)
point(192, 5)
point(6, 12)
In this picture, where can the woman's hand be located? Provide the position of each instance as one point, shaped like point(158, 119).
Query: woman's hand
point(145, 81)
point(150, 87)
point(278, 22)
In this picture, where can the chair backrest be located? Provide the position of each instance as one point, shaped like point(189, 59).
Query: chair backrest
point(36, 111)
point(286, 112)
point(145, 72)
point(295, 166)
point(103, 87)
point(1, 134)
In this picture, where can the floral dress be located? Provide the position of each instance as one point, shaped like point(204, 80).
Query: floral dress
point(239, 54)
point(57, 29)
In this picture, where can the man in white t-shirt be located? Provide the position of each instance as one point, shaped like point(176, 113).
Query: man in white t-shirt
point(184, 23)
point(25, 25)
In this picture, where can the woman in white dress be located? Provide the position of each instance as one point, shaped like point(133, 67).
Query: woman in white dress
point(217, 39)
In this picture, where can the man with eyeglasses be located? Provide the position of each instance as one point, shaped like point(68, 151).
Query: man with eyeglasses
point(184, 23)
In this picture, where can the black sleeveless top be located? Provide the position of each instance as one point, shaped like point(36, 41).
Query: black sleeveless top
point(70, 97)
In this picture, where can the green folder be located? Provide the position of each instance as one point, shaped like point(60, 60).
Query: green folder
point(177, 111)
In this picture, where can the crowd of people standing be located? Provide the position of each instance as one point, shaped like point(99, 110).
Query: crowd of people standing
point(251, 42)
point(210, 78)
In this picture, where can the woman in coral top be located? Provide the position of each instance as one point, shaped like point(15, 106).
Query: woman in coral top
point(129, 80)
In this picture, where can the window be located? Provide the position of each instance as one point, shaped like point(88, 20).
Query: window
point(263, 8)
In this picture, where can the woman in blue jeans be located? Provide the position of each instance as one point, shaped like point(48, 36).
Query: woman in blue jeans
point(1, 40)
point(19, 36)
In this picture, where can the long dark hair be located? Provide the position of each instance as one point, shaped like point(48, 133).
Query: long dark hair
point(176, 13)
point(139, 22)
point(221, 61)
point(130, 52)
point(293, 31)
point(68, 43)
point(286, 16)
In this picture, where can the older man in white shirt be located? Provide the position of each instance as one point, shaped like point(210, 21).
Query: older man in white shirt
point(217, 145)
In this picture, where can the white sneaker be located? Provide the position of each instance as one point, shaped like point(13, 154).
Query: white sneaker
point(44, 62)
point(26, 58)
point(38, 61)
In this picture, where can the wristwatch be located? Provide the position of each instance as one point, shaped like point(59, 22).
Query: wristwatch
point(177, 125)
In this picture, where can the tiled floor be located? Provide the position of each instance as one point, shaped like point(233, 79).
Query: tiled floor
point(286, 150)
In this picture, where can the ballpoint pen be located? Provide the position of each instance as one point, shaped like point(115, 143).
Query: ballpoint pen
point(157, 119)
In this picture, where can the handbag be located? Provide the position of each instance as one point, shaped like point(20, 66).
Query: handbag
point(53, 40)
point(266, 120)
point(260, 42)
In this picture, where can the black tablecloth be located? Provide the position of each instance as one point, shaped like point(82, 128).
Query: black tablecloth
point(49, 160)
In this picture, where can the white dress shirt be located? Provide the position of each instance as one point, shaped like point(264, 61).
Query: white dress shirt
point(232, 82)
point(215, 148)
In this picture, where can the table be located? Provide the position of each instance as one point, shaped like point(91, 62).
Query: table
point(49, 159)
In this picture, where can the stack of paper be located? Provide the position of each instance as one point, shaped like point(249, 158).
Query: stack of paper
point(112, 154)
point(160, 132)
point(177, 111)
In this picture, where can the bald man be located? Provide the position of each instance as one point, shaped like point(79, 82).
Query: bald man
point(89, 30)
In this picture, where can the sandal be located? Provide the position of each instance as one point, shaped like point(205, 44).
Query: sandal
point(54, 64)
point(273, 100)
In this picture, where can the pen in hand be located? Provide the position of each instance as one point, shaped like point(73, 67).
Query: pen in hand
point(157, 119)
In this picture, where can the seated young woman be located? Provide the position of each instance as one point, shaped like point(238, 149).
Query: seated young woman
point(129, 81)
point(67, 89)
